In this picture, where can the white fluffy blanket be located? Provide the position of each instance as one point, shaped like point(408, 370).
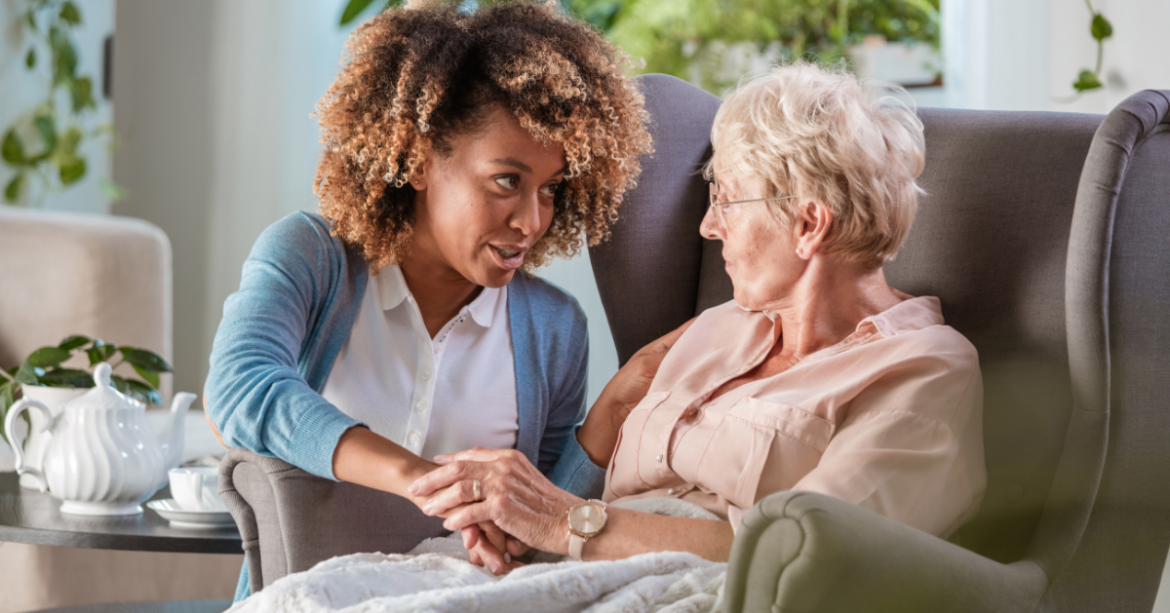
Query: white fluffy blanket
point(436, 576)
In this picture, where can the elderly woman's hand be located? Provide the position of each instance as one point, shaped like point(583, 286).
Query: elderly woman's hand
point(514, 496)
point(598, 435)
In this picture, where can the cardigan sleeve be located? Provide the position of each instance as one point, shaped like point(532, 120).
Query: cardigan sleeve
point(561, 456)
point(255, 393)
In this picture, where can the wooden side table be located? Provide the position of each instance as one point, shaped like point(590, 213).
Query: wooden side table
point(28, 516)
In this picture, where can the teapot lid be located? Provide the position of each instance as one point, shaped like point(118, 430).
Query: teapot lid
point(103, 396)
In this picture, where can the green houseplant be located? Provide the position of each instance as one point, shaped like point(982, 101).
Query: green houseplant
point(45, 367)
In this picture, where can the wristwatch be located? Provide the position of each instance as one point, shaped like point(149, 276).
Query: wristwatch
point(586, 520)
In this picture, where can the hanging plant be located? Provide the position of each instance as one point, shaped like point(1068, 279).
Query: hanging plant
point(1101, 29)
point(43, 144)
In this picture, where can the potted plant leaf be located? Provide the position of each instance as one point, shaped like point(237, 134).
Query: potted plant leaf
point(44, 376)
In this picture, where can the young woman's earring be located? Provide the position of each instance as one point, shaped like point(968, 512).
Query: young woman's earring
point(800, 251)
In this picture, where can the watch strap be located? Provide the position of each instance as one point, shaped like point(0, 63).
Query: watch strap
point(576, 547)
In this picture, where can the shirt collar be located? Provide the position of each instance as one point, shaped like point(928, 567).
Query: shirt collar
point(483, 308)
point(392, 290)
point(908, 315)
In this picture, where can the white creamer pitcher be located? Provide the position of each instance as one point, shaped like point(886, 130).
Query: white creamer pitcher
point(103, 458)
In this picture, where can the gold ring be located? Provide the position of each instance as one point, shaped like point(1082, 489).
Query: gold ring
point(476, 490)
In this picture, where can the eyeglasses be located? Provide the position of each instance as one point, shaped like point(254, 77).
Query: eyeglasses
point(720, 208)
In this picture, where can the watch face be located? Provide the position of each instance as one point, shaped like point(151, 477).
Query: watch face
point(586, 518)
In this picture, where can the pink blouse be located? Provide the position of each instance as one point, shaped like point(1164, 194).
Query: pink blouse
point(890, 418)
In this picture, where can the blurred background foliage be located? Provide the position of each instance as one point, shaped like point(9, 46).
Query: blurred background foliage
point(687, 38)
point(668, 34)
point(44, 143)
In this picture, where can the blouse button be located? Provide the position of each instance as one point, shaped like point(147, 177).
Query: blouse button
point(658, 458)
point(415, 438)
point(426, 374)
point(420, 406)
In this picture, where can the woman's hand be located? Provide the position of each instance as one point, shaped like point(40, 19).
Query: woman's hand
point(515, 496)
point(598, 435)
point(500, 557)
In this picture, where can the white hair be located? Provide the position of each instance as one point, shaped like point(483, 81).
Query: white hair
point(819, 134)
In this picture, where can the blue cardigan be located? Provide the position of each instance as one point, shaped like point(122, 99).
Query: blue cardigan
point(281, 332)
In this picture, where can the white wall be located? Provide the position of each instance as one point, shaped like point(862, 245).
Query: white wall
point(21, 89)
point(1025, 54)
point(271, 62)
point(162, 79)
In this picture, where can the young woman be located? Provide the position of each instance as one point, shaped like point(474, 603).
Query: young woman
point(460, 149)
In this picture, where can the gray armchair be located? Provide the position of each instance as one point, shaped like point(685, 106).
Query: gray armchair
point(1070, 326)
point(1077, 512)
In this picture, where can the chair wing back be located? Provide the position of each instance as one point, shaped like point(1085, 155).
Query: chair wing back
point(1119, 346)
point(650, 271)
point(990, 240)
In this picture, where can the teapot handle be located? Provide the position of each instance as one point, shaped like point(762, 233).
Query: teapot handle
point(18, 445)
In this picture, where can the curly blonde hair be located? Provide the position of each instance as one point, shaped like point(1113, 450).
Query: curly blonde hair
point(418, 76)
point(818, 133)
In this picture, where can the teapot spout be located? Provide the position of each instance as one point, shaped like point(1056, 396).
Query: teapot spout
point(172, 435)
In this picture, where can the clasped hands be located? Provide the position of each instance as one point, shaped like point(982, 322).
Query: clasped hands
point(518, 508)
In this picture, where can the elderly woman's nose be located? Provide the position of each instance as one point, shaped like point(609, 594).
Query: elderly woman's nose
point(710, 227)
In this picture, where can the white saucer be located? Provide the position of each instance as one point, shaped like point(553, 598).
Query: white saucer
point(179, 518)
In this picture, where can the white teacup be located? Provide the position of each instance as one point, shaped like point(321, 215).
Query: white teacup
point(196, 488)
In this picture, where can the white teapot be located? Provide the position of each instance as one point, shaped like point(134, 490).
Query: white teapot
point(103, 458)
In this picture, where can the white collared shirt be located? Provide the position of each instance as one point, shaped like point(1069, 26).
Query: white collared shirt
point(432, 396)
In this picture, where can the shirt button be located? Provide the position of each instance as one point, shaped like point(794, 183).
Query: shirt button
point(659, 458)
point(420, 406)
point(415, 438)
point(426, 374)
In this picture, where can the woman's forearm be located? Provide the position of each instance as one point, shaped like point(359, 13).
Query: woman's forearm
point(629, 533)
point(598, 435)
point(365, 458)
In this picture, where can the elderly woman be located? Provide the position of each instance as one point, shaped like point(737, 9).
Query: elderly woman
point(818, 376)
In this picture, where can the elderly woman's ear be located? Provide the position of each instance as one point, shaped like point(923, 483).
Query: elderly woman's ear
point(811, 228)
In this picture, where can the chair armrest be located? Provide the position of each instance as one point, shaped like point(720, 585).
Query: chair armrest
point(799, 551)
point(290, 520)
